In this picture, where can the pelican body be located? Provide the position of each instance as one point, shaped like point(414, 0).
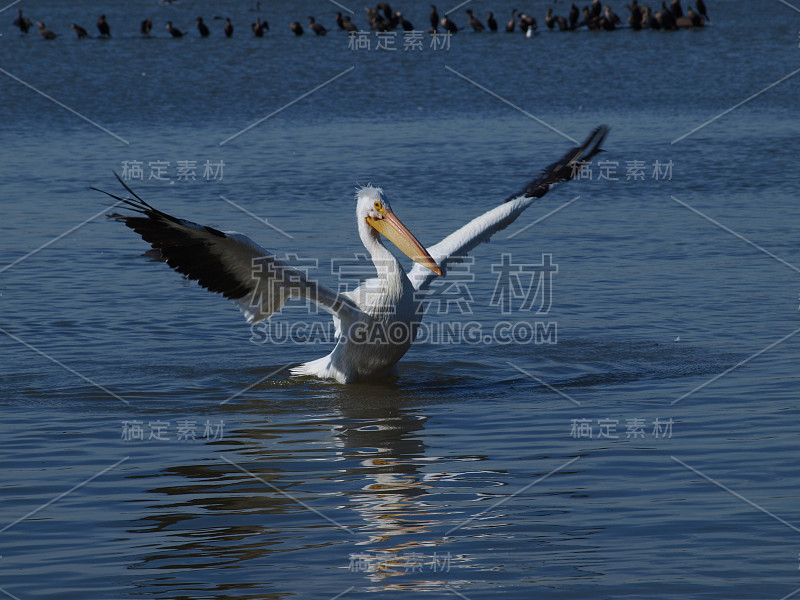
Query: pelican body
point(380, 327)
point(377, 322)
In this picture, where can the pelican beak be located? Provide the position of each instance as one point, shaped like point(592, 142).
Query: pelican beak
point(397, 233)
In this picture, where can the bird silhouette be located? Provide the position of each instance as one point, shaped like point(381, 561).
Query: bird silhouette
point(102, 27)
point(79, 31)
point(202, 27)
point(176, 33)
point(316, 27)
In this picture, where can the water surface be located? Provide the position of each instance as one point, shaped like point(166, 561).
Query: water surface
point(465, 475)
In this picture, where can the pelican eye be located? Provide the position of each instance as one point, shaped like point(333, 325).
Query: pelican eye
point(377, 205)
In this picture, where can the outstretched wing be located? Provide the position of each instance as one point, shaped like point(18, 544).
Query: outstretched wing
point(455, 246)
point(228, 263)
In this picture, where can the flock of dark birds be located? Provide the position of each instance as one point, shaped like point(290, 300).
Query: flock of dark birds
point(594, 17)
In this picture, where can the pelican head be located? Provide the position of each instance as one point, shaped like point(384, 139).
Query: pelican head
point(374, 208)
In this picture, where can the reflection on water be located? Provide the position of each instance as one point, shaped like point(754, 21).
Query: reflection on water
point(373, 497)
point(379, 442)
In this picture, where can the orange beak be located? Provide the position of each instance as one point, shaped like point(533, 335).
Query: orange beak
point(397, 233)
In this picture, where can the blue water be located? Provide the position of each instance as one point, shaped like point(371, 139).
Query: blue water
point(464, 476)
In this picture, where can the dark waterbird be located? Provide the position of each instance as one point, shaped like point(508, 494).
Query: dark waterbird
point(611, 17)
point(404, 23)
point(375, 20)
point(590, 22)
point(79, 31)
point(258, 28)
point(390, 17)
point(46, 33)
point(476, 25)
point(512, 23)
point(174, 31)
point(348, 25)
point(636, 18)
point(695, 19)
point(102, 27)
point(649, 20)
point(527, 24)
point(549, 19)
point(552, 20)
point(701, 8)
point(388, 14)
point(449, 25)
point(145, 27)
point(316, 27)
point(491, 23)
point(228, 27)
point(378, 22)
point(574, 15)
point(296, 28)
point(23, 23)
point(666, 19)
point(202, 27)
point(434, 17)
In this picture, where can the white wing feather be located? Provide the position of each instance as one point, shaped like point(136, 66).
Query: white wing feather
point(455, 246)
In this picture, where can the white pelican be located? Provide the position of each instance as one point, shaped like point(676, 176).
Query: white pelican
point(377, 322)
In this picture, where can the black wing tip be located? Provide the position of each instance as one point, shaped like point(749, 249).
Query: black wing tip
point(128, 189)
point(175, 242)
point(596, 139)
point(564, 168)
point(136, 204)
